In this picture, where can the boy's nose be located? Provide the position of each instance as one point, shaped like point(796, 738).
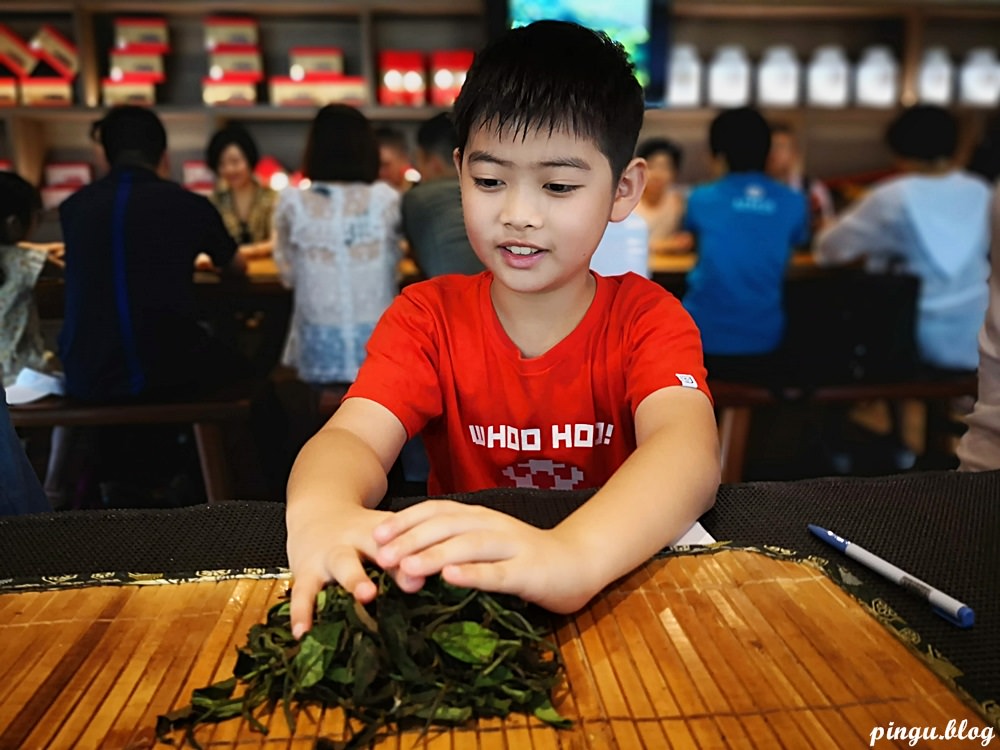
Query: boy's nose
point(519, 210)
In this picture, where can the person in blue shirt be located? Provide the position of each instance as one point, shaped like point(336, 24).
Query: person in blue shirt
point(745, 225)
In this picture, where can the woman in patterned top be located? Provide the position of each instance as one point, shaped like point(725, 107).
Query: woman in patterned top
point(246, 206)
point(337, 246)
point(21, 343)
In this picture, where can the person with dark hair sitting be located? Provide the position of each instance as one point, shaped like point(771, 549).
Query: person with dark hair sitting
point(932, 221)
point(746, 225)
point(21, 343)
point(662, 204)
point(130, 329)
point(337, 247)
point(246, 206)
point(394, 157)
point(785, 164)
point(432, 210)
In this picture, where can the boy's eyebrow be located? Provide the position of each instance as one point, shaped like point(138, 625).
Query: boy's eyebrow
point(566, 161)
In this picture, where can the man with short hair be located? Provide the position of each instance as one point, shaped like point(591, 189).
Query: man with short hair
point(130, 329)
point(432, 211)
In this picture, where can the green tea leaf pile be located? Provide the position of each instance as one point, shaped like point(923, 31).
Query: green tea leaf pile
point(442, 655)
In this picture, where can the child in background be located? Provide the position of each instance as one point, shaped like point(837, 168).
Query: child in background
point(21, 343)
point(746, 225)
point(534, 371)
point(394, 158)
point(662, 204)
point(784, 163)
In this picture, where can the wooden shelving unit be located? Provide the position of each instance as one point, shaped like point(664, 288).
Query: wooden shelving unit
point(837, 141)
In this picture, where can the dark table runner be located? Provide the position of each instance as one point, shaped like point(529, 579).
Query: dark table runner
point(943, 527)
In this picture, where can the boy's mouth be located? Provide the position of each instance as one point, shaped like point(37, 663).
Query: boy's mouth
point(521, 249)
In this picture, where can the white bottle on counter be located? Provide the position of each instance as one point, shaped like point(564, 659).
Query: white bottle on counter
point(729, 78)
point(778, 78)
point(684, 86)
point(979, 80)
point(828, 77)
point(877, 78)
point(936, 77)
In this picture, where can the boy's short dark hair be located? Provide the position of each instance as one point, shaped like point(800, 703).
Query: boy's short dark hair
point(553, 75)
point(231, 135)
point(923, 133)
point(20, 199)
point(341, 146)
point(653, 146)
point(437, 137)
point(132, 135)
point(743, 137)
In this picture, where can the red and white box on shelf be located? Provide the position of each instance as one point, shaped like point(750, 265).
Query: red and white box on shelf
point(68, 173)
point(151, 33)
point(129, 88)
point(8, 92)
point(448, 69)
point(304, 61)
point(231, 90)
point(225, 30)
point(15, 54)
point(6, 165)
point(137, 59)
point(403, 81)
point(194, 171)
point(56, 50)
point(235, 59)
point(197, 177)
point(317, 90)
point(62, 180)
point(53, 195)
point(46, 92)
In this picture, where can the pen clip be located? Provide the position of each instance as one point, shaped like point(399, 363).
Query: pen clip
point(964, 619)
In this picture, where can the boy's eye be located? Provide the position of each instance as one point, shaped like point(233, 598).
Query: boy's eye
point(486, 182)
point(558, 187)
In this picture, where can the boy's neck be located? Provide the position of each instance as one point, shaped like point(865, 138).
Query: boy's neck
point(536, 322)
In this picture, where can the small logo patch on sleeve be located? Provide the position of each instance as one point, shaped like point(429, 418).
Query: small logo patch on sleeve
point(687, 381)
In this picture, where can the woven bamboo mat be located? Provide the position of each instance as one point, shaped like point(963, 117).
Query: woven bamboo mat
point(733, 649)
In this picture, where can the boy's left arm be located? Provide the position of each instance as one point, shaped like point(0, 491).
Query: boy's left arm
point(654, 497)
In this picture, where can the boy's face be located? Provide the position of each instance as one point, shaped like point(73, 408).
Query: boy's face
point(537, 206)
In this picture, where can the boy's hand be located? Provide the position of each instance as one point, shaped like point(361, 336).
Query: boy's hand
point(475, 547)
point(326, 548)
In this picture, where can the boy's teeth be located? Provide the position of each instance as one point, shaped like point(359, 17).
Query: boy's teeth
point(517, 250)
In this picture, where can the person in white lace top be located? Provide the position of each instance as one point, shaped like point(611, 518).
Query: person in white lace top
point(337, 246)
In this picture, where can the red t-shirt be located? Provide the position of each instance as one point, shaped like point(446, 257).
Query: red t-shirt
point(442, 363)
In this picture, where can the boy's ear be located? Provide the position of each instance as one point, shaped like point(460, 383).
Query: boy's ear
point(629, 189)
point(456, 157)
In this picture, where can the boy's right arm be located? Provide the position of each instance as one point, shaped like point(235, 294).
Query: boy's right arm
point(338, 477)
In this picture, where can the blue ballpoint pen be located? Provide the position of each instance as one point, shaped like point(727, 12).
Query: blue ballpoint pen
point(947, 607)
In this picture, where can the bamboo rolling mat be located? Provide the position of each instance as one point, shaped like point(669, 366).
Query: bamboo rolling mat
point(733, 649)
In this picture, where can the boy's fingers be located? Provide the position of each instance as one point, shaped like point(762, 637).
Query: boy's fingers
point(474, 547)
point(346, 569)
point(304, 592)
point(400, 521)
point(485, 576)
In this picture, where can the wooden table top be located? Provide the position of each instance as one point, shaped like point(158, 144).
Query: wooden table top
point(682, 263)
point(731, 649)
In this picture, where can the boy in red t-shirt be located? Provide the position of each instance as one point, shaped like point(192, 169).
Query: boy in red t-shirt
point(535, 373)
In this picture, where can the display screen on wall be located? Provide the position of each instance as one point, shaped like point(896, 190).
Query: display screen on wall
point(639, 25)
